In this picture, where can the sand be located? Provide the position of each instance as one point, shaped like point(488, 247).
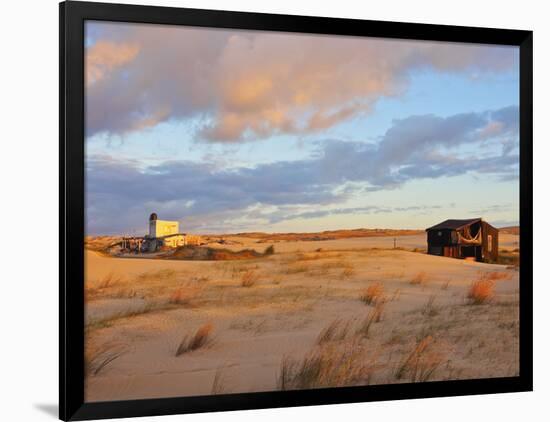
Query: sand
point(427, 331)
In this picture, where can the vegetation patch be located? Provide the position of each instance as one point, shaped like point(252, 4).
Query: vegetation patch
point(97, 358)
point(420, 278)
point(372, 294)
point(481, 291)
point(200, 339)
point(421, 363)
point(325, 367)
point(204, 253)
point(249, 278)
point(184, 295)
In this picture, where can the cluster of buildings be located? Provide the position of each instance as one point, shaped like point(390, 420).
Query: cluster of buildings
point(471, 238)
point(162, 234)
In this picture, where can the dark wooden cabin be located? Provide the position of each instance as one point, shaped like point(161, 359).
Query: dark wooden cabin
point(473, 238)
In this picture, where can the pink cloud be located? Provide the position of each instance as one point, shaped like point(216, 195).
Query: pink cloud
point(104, 57)
point(244, 85)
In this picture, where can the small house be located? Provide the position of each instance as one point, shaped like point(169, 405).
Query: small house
point(471, 238)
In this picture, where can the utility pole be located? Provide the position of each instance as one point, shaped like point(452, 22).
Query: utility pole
point(394, 242)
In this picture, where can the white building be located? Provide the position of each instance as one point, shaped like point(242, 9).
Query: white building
point(166, 231)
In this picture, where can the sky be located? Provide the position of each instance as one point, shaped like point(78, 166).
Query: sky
point(231, 131)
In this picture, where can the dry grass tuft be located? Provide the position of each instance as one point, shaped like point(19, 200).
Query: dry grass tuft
point(237, 270)
point(337, 330)
point(481, 291)
point(375, 315)
point(109, 280)
point(348, 272)
point(218, 384)
point(297, 268)
point(308, 256)
point(378, 310)
point(124, 293)
point(422, 362)
point(325, 367)
point(201, 338)
point(277, 280)
point(249, 278)
point(184, 295)
point(430, 310)
point(372, 294)
point(96, 358)
point(160, 275)
point(420, 278)
point(148, 307)
point(494, 276)
point(396, 295)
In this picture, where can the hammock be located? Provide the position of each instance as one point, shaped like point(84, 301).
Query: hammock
point(467, 238)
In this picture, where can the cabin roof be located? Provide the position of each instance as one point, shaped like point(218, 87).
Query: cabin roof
point(454, 224)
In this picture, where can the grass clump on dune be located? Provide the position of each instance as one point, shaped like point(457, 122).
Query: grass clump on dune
point(337, 330)
point(421, 363)
point(420, 278)
point(372, 294)
point(249, 278)
point(481, 291)
point(200, 339)
point(325, 367)
point(184, 295)
point(96, 358)
point(374, 316)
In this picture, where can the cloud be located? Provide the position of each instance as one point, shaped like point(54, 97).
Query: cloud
point(505, 223)
point(283, 214)
point(120, 193)
point(243, 85)
point(492, 209)
point(104, 57)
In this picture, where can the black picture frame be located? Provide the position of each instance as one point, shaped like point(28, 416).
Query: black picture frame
point(72, 16)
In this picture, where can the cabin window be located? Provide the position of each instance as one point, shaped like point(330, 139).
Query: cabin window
point(489, 243)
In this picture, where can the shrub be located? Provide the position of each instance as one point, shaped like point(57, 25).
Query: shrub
point(270, 250)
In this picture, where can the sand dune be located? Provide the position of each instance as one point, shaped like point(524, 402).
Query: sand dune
point(135, 324)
